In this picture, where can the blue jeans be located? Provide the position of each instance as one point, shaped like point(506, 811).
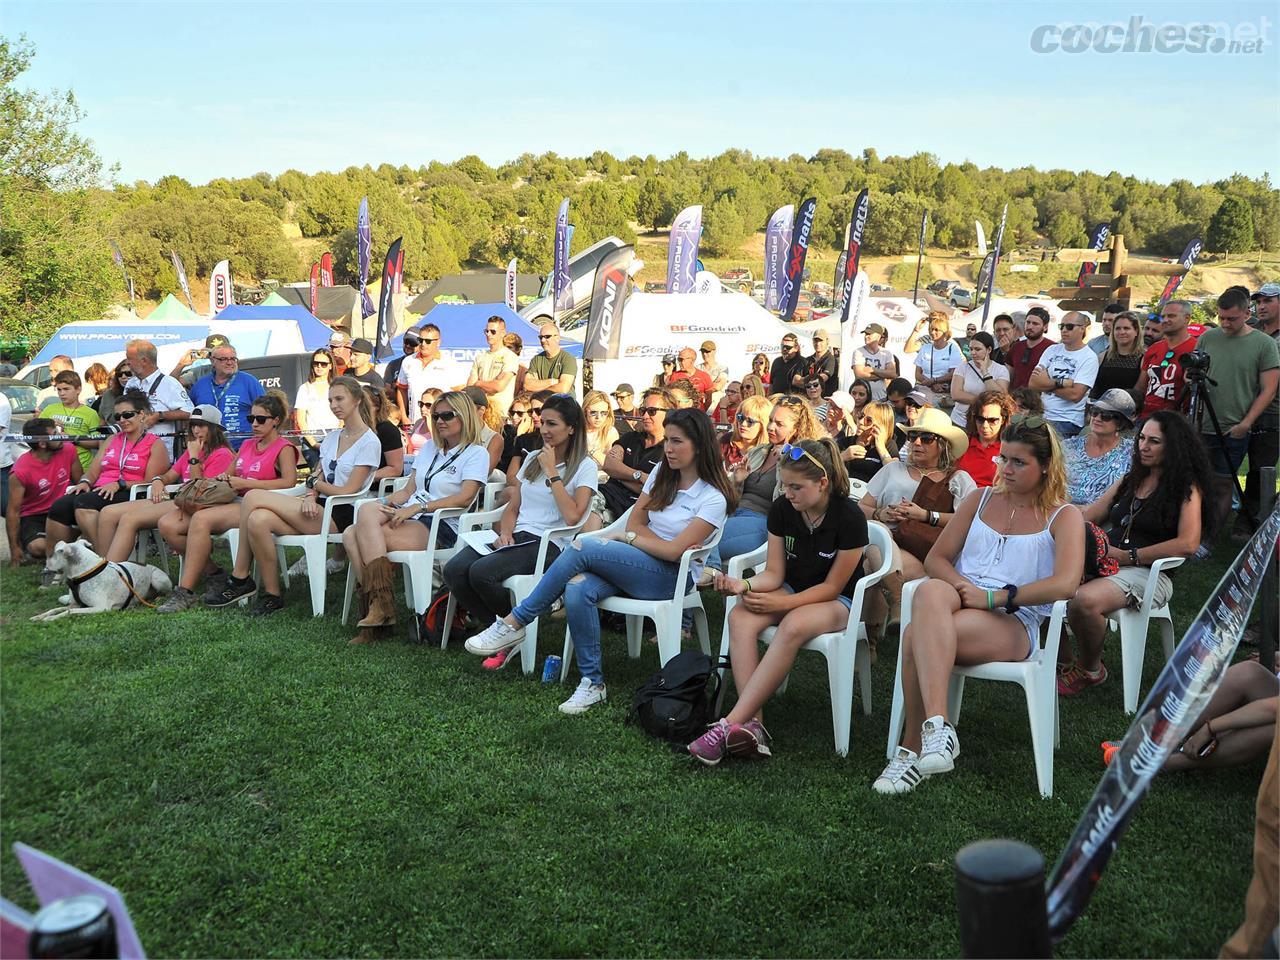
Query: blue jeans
point(604, 566)
point(744, 531)
point(1237, 448)
point(1065, 430)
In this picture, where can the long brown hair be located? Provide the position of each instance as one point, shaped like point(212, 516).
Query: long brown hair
point(697, 426)
point(989, 398)
point(356, 389)
point(1047, 449)
point(827, 453)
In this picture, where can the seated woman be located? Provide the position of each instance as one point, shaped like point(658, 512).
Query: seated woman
point(348, 458)
point(790, 421)
point(928, 492)
point(1010, 552)
point(683, 502)
point(1238, 724)
point(753, 386)
point(553, 488)
point(390, 439)
point(1156, 510)
point(816, 540)
point(519, 423)
point(131, 456)
point(840, 414)
point(1102, 454)
point(985, 421)
point(266, 462)
point(748, 431)
point(876, 443)
point(420, 433)
point(37, 479)
point(601, 434)
point(449, 471)
point(975, 376)
point(207, 455)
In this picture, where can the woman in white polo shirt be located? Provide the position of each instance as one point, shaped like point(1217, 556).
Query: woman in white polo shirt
point(448, 471)
point(683, 502)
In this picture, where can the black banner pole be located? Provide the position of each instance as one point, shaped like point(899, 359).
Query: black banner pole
point(1000, 897)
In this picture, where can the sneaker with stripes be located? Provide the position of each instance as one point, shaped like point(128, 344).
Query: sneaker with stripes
point(902, 775)
point(939, 746)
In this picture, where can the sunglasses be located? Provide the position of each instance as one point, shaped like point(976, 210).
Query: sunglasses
point(226, 359)
point(547, 336)
point(444, 416)
point(652, 411)
point(989, 419)
point(1070, 326)
point(797, 452)
point(492, 333)
point(429, 340)
point(126, 414)
point(331, 471)
point(1032, 421)
point(1107, 415)
point(668, 363)
point(813, 385)
point(536, 411)
point(703, 350)
point(424, 404)
point(926, 438)
point(619, 396)
point(518, 414)
point(746, 421)
point(320, 363)
point(259, 419)
point(599, 413)
point(124, 374)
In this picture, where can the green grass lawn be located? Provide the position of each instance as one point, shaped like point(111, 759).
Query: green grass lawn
point(261, 788)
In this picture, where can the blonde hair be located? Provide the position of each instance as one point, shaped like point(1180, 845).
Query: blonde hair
point(460, 404)
point(808, 426)
point(491, 416)
point(881, 414)
point(758, 408)
point(597, 396)
point(1047, 449)
point(753, 381)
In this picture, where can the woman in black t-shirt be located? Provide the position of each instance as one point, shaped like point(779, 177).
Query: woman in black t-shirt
point(390, 439)
point(816, 540)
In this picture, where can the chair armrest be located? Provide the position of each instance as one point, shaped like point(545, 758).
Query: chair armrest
point(1053, 639)
point(389, 485)
point(909, 594)
point(337, 499)
point(544, 542)
point(618, 526)
point(748, 561)
point(1163, 565)
point(475, 521)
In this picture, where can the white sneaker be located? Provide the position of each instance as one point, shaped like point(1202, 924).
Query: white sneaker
point(586, 696)
point(299, 568)
point(902, 775)
point(335, 565)
point(495, 638)
point(939, 746)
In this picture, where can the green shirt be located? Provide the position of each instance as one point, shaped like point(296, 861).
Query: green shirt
point(1237, 366)
point(75, 423)
point(543, 367)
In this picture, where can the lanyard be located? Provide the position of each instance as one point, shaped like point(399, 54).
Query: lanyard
point(432, 471)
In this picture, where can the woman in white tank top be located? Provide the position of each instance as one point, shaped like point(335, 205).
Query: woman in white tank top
point(1008, 554)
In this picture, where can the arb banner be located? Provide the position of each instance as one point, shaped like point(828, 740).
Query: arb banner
point(221, 293)
point(796, 256)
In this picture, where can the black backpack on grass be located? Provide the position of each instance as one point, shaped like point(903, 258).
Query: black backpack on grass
point(678, 701)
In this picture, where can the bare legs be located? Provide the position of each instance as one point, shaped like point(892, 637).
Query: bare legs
point(1249, 693)
point(193, 537)
point(1087, 614)
point(120, 524)
point(263, 516)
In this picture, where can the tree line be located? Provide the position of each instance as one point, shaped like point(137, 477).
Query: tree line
point(60, 208)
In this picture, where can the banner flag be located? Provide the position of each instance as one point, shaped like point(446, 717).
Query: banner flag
point(182, 276)
point(364, 247)
point(857, 304)
point(800, 231)
point(609, 294)
point(386, 322)
point(995, 264)
point(984, 272)
point(682, 249)
point(1099, 240)
point(1180, 694)
point(326, 270)
point(561, 281)
point(118, 257)
point(924, 225)
point(510, 287)
point(315, 287)
point(857, 224)
point(1188, 260)
point(982, 239)
point(777, 244)
point(221, 292)
point(399, 272)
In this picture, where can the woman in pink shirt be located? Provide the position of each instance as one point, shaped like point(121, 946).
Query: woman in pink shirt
point(207, 455)
point(131, 456)
point(267, 462)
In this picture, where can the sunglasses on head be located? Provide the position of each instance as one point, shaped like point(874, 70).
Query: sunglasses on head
point(652, 411)
point(125, 414)
point(746, 421)
point(444, 416)
point(259, 418)
point(797, 452)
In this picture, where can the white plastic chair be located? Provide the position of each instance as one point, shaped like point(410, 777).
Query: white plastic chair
point(667, 615)
point(142, 491)
point(315, 547)
point(1133, 624)
point(492, 490)
point(520, 585)
point(846, 652)
point(1037, 675)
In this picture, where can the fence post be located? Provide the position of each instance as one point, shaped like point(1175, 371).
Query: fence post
point(1000, 898)
point(1269, 592)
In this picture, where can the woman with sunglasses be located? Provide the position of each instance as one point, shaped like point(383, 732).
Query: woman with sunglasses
point(449, 471)
point(816, 540)
point(813, 394)
point(267, 461)
point(105, 402)
point(753, 386)
point(748, 432)
point(756, 481)
point(208, 454)
point(876, 442)
point(683, 502)
point(519, 424)
point(553, 489)
point(723, 413)
point(760, 368)
point(420, 432)
point(1102, 454)
point(311, 404)
point(1120, 362)
point(348, 458)
point(634, 455)
point(985, 421)
point(390, 438)
point(662, 380)
point(994, 575)
point(131, 456)
point(529, 441)
point(1156, 510)
point(601, 434)
point(926, 491)
point(977, 374)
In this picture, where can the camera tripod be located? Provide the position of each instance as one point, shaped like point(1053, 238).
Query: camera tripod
point(1200, 403)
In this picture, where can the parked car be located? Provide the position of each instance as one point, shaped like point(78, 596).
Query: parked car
point(759, 292)
point(582, 274)
point(943, 288)
point(739, 279)
point(22, 398)
point(961, 298)
point(880, 288)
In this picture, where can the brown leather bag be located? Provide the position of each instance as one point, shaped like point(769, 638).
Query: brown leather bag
point(206, 492)
point(917, 537)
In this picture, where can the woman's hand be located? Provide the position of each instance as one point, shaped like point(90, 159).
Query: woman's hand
point(1201, 743)
point(764, 602)
point(397, 516)
point(971, 597)
point(310, 508)
point(1119, 555)
point(195, 448)
point(855, 452)
point(237, 483)
point(506, 540)
point(157, 490)
point(729, 586)
point(547, 458)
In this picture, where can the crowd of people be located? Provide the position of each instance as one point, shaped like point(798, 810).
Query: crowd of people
point(998, 465)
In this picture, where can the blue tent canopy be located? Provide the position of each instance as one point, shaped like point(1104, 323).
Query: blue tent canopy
point(462, 328)
point(315, 333)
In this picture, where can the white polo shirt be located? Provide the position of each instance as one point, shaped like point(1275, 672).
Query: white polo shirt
point(441, 473)
point(701, 501)
point(538, 509)
point(440, 372)
point(166, 394)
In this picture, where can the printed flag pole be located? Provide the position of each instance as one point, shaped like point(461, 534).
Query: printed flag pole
point(857, 224)
point(326, 270)
point(386, 321)
point(915, 289)
point(118, 257)
point(561, 281)
point(1188, 260)
point(777, 244)
point(1096, 242)
point(182, 277)
point(221, 292)
point(682, 249)
point(610, 289)
point(800, 231)
point(995, 262)
point(364, 247)
point(510, 287)
point(315, 287)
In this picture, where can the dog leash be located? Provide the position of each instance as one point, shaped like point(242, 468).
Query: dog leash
point(122, 572)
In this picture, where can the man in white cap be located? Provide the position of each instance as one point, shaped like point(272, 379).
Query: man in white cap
point(873, 361)
point(340, 347)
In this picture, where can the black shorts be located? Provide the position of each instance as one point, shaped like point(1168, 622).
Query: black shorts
point(31, 528)
point(343, 516)
point(64, 508)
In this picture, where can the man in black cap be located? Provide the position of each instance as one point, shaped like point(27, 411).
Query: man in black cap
point(624, 414)
point(786, 375)
point(362, 364)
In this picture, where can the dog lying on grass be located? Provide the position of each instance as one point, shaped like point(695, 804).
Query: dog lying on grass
point(97, 585)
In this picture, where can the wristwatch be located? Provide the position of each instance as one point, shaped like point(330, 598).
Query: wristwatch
point(1009, 605)
point(637, 476)
point(630, 536)
point(934, 517)
point(194, 462)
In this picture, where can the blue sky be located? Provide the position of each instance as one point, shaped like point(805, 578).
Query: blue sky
point(229, 88)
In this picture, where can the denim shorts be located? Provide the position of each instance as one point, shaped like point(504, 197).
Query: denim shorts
point(847, 601)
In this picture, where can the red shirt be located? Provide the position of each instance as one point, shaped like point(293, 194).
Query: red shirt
point(700, 380)
point(1163, 371)
point(979, 462)
point(43, 483)
point(1022, 358)
point(723, 416)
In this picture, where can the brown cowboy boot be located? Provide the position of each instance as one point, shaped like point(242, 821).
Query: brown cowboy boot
point(378, 577)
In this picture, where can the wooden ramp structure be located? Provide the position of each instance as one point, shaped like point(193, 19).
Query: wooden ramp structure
point(1111, 281)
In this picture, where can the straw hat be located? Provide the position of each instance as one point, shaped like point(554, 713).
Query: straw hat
point(936, 422)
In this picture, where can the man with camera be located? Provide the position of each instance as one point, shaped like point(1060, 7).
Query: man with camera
point(1161, 381)
point(1244, 371)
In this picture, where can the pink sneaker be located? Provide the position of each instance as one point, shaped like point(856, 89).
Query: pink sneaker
point(750, 740)
point(1079, 680)
point(711, 747)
